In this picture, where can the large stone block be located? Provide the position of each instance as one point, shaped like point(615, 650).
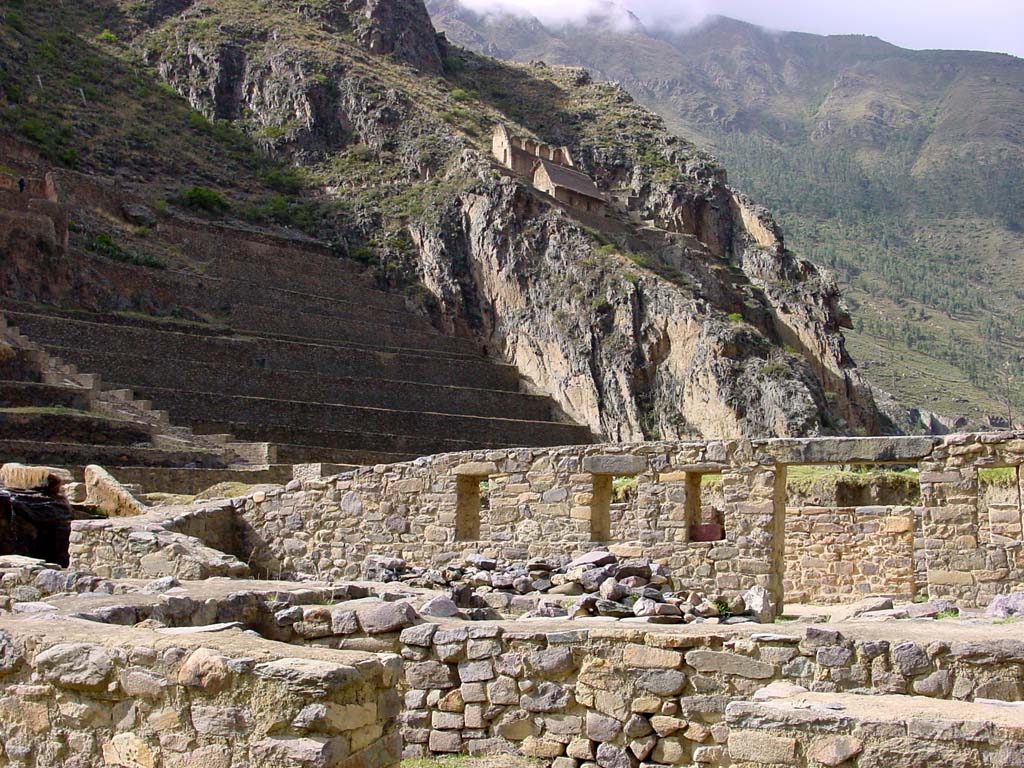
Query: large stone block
point(615, 464)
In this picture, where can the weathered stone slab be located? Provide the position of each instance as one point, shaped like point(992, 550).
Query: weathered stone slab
point(615, 464)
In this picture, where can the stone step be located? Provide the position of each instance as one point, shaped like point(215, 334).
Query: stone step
point(24, 394)
point(21, 368)
point(264, 324)
point(195, 407)
point(51, 425)
point(874, 730)
point(75, 340)
point(288, 439)
point(312, 326)
point(202, 290)
point(169, 373)
point(57, 454)
point(193, 480)
point(311, 454)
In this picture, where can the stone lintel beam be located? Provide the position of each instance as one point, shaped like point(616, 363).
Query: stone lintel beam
point(848, 450)
point(615, 464)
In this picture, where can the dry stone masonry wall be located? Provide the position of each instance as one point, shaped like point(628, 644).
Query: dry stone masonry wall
point(99, 696)
point(626, 697)
point(525, 503)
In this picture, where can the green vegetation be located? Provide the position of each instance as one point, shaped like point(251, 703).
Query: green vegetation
point(735, 317)
point(802, 480)
point(623, 489)
point(1002, 476)
point(911, 288)
point(909, 187)
point(202, 199)
point(106, 246)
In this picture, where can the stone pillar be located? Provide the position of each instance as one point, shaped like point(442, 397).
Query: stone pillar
point(949, 493)
point(753, 551)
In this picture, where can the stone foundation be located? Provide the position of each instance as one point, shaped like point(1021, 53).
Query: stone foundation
point(621, 696)
point(95, 695)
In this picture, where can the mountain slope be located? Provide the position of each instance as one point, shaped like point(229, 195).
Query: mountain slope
point(901, 170)
point(680, 312)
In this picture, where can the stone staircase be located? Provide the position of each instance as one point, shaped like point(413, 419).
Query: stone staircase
point(51, 414)
point(315, 361)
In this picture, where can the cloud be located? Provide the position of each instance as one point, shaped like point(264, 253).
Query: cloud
point(559, 12)
point(989, 25)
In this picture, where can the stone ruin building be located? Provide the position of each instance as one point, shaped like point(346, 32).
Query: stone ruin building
point(505, 602)
point(550, 169)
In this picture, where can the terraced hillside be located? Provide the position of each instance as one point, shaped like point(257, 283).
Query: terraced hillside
point(281, 222)
point(315, 360)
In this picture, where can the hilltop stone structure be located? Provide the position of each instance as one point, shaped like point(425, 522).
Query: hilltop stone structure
point(550, 169)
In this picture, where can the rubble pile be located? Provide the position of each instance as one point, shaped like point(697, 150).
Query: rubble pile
point(597, 584)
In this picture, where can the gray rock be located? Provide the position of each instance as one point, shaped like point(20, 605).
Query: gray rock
point(910, 659)
point(759, 604)
point(161, 585)
point(420, 636)
point(387, 617)
point(288, 616)
point(601, 727)
point(1006, 606)
point(546, 697)
point(24, 593)
point(139, 214)
point(663, 682)
point(430, 674)
point(867, 605)
point(615, 464)
point(77, 666)
point(439, 607)
point(594, 559)
point(610, 589)
point(10, 656)
point(551, 662)
point(612, 756)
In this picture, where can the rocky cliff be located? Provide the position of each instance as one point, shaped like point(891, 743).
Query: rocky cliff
point(677, 312)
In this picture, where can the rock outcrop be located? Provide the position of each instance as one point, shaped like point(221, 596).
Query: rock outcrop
point(675, 312)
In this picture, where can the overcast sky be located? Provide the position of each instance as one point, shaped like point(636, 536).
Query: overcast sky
point(986, 25)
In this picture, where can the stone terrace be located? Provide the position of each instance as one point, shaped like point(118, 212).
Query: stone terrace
point(317, 360)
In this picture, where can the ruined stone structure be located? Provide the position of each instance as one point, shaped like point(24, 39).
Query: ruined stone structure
point(550, 169)
point(569, 186)
point(521, 155)
point(547, 502)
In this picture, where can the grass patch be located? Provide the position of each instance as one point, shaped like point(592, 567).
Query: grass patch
point(202, 199)
point(106, 246)
point(623, 489)
point(1001, 476)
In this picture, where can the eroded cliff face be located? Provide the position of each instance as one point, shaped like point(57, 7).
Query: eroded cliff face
point(622, 350)
point(671, 319)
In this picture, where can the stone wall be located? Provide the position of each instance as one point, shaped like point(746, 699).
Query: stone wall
point(538, 502)
point(811, 730)
point(836, 555)
point(623, 696)
point(188, 543)
point(523, 503)
point(97, 695)
point(961, 563)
